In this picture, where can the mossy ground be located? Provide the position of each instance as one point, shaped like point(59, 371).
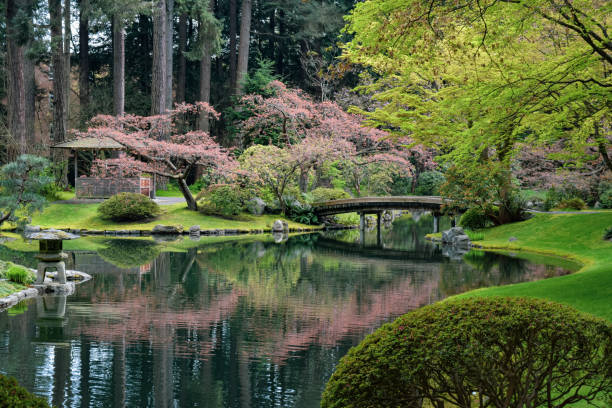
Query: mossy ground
point(85, 216)
point(8, 287)
point(578, 237)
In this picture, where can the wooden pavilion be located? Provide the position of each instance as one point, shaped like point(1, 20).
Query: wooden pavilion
point(97, 187)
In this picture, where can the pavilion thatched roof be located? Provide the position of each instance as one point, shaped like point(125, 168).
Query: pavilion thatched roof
point(90, 143)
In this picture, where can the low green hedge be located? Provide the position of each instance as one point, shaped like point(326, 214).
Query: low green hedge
point(12, 395)
point(512, 352)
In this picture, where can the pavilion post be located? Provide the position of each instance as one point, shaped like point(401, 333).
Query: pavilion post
point(76, 169)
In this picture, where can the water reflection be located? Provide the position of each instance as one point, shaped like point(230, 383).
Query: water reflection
point(244, 323)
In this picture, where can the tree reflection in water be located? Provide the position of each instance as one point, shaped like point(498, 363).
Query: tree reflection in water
point(242, 323)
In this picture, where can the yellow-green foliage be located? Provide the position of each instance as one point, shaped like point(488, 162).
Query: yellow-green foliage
point(19, 275)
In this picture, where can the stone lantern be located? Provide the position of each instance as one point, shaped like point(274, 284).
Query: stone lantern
point(51, 255)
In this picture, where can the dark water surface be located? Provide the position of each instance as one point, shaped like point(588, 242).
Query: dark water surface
point(242, 322)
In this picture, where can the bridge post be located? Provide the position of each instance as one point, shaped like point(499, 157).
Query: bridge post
point(436, 223)
point(362, 228)
point(378, 228)
point(453, 220)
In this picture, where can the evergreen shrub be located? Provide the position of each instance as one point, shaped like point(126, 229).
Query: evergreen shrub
point(222, 199)
point(571, 204)
point(14, 396)
point(429, 183)
point(512, 352)
point(474, 218)
point(128, 207)
point(605, 198)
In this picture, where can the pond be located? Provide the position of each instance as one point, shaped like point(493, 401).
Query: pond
point(229, 321)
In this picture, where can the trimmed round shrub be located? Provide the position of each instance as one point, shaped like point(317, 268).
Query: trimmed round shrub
point(321, 194)
point(572, 204)
point(429, 183)
point(526, 352)
point(474, 218)
point(128, 207)
point(15, 396)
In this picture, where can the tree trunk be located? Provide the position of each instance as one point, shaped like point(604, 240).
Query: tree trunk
point(272, 37)
point(118, 66)
point(191, 202)
point(232, 44)
point(30, 101)
point(57, 64)
point(205, 71)
point(303, 180)
point(58, 127)
point(280, 42)
point(181, 77)
point(84, 61)
point(205, 68)
point(158, 74)
point(30, 85)
point(67, 40)
point(169, 51)
point(243, 50)
point(16, 86)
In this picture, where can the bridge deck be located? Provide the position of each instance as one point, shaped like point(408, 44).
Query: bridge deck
point(374, 204)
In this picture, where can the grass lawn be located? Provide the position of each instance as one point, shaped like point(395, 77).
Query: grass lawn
point(574, 236)
point(85, 216)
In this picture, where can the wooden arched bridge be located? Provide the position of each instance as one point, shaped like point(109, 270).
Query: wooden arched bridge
point(376, 205)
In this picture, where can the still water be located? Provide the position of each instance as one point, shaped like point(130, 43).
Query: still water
point(229, 322)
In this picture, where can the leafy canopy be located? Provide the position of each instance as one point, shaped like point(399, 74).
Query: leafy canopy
point(474, 78)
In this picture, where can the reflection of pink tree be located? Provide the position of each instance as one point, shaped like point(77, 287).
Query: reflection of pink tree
point(165, 145)
point(314, 325)
point(137, 318)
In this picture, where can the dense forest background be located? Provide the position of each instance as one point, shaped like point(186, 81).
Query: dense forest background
point(63, 62)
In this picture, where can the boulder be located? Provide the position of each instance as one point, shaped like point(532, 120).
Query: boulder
point(280, 226)
point(194, 230)
point(449, 235)
point(167, 229)
point(256, 206)
point(31, 228)
point(461, 241)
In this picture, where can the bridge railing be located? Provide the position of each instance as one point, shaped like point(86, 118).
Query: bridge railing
point(374, 200)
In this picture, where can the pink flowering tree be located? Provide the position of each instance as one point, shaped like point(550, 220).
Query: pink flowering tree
point(324, 131)
point(166, 145)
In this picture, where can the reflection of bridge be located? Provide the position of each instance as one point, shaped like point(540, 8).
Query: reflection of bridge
point(376, 205)
point(425, 254)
